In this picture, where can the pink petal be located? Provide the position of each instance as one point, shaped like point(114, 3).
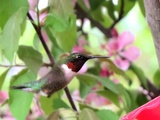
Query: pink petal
point(148, 111)
point(32, 4)
point(125, 39)
point(114, 32)
point(112, 47)
point(76, 95)
point(3, 96)
point(86, 2)
point(90, 98)
point(132, 53)
point(82, 41)
point(100, 101)
point(93, 98)
point(122, 63)
point(77, 48)
point(105, 72)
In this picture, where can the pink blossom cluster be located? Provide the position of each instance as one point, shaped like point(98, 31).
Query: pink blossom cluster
point(121, 48)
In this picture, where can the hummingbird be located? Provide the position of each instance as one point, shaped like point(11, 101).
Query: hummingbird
point(59, 76)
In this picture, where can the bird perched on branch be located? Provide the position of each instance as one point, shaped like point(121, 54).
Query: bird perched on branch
point(59, 77)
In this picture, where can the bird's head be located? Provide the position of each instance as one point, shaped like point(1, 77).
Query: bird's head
point(75, 61)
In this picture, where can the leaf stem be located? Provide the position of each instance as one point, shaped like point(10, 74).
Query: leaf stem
point(38, 31)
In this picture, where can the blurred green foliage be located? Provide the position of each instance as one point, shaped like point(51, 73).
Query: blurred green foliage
point(20, 44)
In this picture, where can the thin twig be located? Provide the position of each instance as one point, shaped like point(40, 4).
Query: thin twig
point(38, 30)
point(41, 39)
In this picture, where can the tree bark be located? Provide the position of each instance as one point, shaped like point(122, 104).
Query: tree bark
point(152, 8)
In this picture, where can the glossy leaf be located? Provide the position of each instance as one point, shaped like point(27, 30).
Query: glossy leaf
point(11, 33)
point(9, 7)
point(86, 83)
point(20, 101)
point(2, 77)
point(156, 78)
point(31, 57)
point(107, 115)
point(110, 96)
point(88, 114)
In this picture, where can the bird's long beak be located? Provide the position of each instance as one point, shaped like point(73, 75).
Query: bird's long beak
point(93, 57)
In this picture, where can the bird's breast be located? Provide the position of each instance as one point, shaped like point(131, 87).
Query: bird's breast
point(68, 73)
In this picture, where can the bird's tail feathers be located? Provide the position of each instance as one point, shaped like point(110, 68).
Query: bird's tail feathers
point(22, 87)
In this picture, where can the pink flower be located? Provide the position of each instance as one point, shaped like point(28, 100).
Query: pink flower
point(105, 72)
point(118, 46)
point(80, 46)
point(32, 4)
point(148, 111)
point(91, 98)
point(3, 96)
point(94, 98)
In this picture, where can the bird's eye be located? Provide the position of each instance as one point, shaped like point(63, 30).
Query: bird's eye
point(78, 56)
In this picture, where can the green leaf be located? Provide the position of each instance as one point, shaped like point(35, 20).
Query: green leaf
point(156, 78)
point(107, 115)
point(56, 23)
point(11, 33)
point(31, 57)
point(2, 77)
point(140, 74)
point(56, 50)
point(47, 103)
point(95, 4)
point(127, 6)
point(83, 106)
point(20, 101)
point(8, 8)
point(67, 39)
point(63, 13)
point(110, 8)
point(61, 8)
point(125, 97)
point(86, 83)
point(141, 6)
point(59, 103)
point(111, 96)
point(88, 114)
point(108, 84)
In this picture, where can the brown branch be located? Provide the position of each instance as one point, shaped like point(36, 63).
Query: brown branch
point(152, 8)
point(38, 31)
